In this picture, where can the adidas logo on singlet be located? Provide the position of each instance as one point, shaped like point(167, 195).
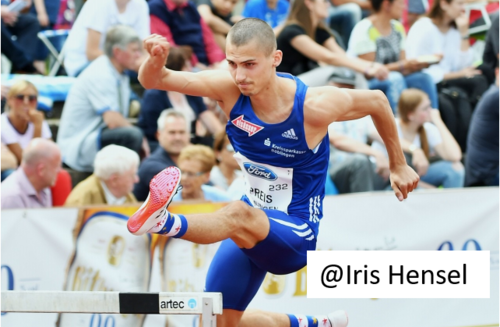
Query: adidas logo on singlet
point(290, 134)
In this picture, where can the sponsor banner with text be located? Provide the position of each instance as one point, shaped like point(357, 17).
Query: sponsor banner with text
point(37, 245)
point(36, 248)
point(108, 258)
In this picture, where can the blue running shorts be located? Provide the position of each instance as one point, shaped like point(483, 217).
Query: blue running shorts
point(238, 273)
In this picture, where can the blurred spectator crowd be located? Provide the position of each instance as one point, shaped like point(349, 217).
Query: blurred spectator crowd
point(435, 60)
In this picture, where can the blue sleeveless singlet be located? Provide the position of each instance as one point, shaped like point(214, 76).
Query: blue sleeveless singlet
point(280, 170)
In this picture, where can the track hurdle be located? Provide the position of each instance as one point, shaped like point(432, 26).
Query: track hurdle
point(208, 305)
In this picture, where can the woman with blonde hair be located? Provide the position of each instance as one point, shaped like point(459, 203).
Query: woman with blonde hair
point(22, 122)
point(306, 41)
point(424, 137)
point(195, 163)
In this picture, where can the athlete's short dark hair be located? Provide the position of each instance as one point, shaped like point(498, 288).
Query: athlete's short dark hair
point(244, 31)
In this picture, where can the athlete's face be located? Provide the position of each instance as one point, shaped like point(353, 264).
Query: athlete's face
point(250, 67)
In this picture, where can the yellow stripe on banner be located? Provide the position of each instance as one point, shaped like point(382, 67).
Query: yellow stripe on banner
point(185, 208)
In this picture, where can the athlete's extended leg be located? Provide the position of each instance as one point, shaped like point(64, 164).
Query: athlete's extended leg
point(245, 225)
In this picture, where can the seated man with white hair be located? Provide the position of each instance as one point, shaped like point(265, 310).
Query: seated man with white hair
point(113, 179)
point(29, 186)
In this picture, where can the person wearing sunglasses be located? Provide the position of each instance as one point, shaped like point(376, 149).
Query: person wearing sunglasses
point(196, 162)
point(21, 122)
point(226, 174)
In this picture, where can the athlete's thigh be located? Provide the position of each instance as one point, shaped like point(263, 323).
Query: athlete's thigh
point(235, 275)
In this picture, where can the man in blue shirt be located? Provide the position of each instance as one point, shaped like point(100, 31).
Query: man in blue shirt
point(273, 12)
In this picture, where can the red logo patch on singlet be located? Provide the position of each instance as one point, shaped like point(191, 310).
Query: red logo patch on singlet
point(247, 126)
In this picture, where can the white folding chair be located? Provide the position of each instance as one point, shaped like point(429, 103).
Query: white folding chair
point(480, 6)
point(58, 54)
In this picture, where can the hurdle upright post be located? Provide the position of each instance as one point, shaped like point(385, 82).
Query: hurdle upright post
point(208, 319)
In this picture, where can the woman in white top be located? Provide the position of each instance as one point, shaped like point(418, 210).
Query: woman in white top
point(381, 38)
point(445, 30)
point(86, 39)
point(423, 135)
point(227, 175)
point(22, 122)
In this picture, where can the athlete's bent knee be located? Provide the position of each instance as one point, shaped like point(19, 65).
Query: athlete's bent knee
point(247, 224)
point(236, 214)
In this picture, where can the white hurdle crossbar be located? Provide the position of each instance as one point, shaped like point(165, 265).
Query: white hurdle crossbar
point(205, 304)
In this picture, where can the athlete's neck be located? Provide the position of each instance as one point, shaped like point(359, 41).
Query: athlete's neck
point(274, 104)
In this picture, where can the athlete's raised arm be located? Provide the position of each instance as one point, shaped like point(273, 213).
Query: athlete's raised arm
point(153, 74)
point(328, 104)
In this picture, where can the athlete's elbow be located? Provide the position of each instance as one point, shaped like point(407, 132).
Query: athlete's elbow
point(144, 81)
point(380, 96)
point(381, 102)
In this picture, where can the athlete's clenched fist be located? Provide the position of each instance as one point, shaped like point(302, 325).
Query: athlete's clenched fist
point(158, 48)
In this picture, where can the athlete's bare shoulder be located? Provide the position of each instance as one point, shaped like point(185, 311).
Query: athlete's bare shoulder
point(324, 104)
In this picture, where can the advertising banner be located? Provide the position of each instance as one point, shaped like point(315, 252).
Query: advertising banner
point(108, 258)
point(36, 248)
point(42, 249)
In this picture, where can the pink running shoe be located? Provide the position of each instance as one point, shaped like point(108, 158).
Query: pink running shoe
point(153, 212)
point(338, 318)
